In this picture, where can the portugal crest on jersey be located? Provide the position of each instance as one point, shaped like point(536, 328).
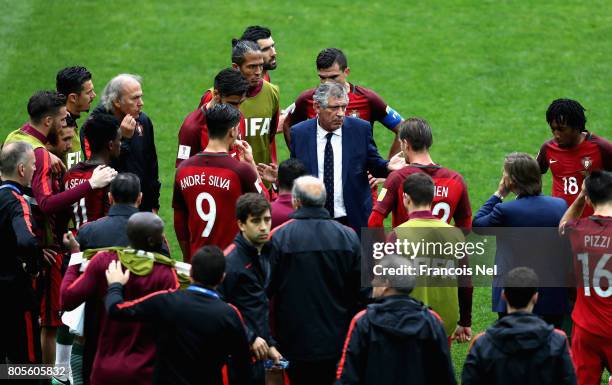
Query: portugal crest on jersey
point(587, 162)
point(354, 113)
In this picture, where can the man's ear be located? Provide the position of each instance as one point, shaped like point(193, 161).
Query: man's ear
point(139, 199)
point(588, 201)
point(235, 66)
point(117, 104)
point(534, 299)
point(406, 199)
point(503, 295)
point(240, 225)
point(111, 201)
point(72, 97)
point(21, 170)
point(347, 71)
point(216, 95)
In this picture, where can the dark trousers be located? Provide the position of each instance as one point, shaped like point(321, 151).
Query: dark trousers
point(20, 339)
point(312, 372)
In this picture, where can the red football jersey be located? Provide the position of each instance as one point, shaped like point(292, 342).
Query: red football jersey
point(193, 134)
point(363, 104)
point(206, 189)
point(92, 206)
point(569, 166)
point(451, 198)
point(591, 240)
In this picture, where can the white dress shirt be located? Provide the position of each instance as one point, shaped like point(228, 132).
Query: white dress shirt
point(336, 143)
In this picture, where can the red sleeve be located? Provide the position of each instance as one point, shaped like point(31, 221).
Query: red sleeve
point(189, 137)
point(463, 212)
point(42, 187)
point(387, 198)
point(300, 112)
point(181, 227)
point(378, 107)
point(77, 289)
point(605, 148)
point(542, 159)
point(248, 179)
point(376, 219)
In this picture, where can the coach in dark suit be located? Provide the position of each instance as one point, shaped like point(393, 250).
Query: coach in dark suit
point(340, 151)
point(529, 237)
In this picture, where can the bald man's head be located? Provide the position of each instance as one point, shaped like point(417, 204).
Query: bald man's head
point(17, 163)
point(145, 231)
point(308, 191)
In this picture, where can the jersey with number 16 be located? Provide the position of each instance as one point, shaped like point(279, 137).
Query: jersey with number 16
point(206, 189)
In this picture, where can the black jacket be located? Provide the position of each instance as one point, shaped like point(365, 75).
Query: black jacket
point(247, 275)
point(314, 285)
point(110, 231)
point(521, 349)
point(139, 156)
point(196, 335)
point(19, 246)
point(396, 341)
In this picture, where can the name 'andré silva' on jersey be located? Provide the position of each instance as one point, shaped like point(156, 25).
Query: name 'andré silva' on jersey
point(213, 180)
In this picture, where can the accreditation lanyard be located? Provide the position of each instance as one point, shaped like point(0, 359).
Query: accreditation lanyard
point(204, 291)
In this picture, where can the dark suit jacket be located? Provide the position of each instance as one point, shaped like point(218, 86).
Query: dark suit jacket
point(520, 244)
point(359, 155)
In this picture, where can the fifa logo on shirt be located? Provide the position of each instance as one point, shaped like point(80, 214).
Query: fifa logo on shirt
point(73, 158)
point(587, 162)
point(257, 124)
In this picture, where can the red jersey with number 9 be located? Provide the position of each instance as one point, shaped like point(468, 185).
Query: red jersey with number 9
point(206, 188)
point(569, 166)
point(451, 200)
point(591, 240)
point(92, 206)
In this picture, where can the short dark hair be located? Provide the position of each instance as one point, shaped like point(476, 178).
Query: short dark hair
point(240, 48)
point(230, 81)
point(520, 284)
point(251, 204)
point(598, 187)
point(12, 155)
point(256, 32)
point(288, 171)
point(524, 172)
point(125, 188)
point(45, 103)
point(417, 132)
point(99, 129)
point(329, 56)
point(220, 118)
point(420, 188)
point(71, 79)
point(208, 266)
point(567, 112)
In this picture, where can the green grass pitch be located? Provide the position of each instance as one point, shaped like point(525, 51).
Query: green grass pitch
point(481, 72)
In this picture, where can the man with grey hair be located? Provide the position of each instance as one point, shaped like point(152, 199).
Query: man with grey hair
point(21, 259)
point(340, 151)
point(315, 277)
point(394, 327)
point(122, 98)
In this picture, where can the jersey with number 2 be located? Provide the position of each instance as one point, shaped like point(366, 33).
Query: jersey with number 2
point(206, 189)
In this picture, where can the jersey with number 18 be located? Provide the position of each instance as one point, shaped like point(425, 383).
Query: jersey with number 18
point(570, 165)
point(206, 188)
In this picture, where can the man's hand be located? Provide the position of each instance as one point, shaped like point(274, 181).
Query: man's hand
point(504, 186)
point(102, 176)
point(70, 243)
point(114, 273)
point(274, 355)
point(268, 172)
point(374, 182)
point(49, 256)
point(246, 151)
point(57, 166)
point(128, 125)
point(260, 348)
point(462, 334)
point(396, 162)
